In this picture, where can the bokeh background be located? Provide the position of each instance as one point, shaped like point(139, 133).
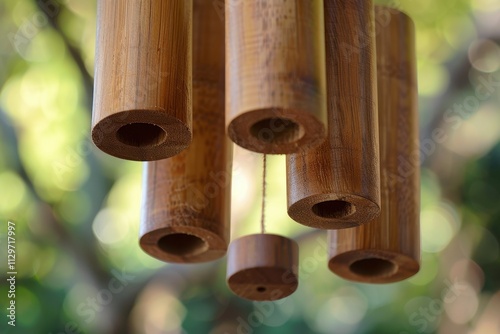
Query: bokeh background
point(77, 209)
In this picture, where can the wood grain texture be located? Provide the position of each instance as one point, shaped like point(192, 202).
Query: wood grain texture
point(263, 267)
point(388, 248)
point(142, 91)
point(276, 100)
point(187, 197)
point(338, 184)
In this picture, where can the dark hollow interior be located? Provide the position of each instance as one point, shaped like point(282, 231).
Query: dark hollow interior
point(141, 135)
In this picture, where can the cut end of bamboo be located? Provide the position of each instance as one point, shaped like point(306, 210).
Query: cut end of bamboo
point(330, 211)
point(275, 75)
point(387, 249)
point(263, 267)
point(279, 134)
point(373, 266)
point(183, 245)
point(125, 135)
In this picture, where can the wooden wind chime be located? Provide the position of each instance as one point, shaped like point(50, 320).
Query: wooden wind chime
point(329, 83)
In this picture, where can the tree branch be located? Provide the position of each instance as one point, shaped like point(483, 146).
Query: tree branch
point(78, 248)
point(88, 81)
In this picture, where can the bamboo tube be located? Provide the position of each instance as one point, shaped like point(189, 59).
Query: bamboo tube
point(142, 99)
point(263, 267)
point(388, 248)
point(337, 185)
point(187, 197)
point(275, 100)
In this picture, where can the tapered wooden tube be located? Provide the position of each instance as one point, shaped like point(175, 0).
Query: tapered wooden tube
point(388, 248)
point(142, 92)
point(187, 198)
point(263, 267)
point(337, 185)
point(276, 100)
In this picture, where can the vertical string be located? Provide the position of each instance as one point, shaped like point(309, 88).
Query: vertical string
point(264, 173)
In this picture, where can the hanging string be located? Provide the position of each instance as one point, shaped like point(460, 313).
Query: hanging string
point(264, 172)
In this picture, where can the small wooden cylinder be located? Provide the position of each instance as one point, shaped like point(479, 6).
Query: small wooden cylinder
point(388, 248)
point(263, 267)
point(187, 197)
point(142, 92)
point(276, 100)
point(337, 185)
